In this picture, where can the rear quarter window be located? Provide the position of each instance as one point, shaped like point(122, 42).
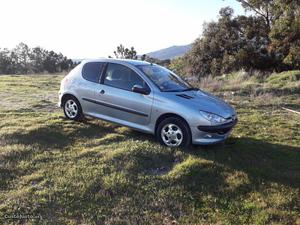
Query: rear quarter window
point(91, 71)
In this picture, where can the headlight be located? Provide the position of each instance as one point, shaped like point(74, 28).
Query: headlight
point(213, 118)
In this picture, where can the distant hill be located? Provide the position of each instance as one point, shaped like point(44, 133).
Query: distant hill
point(162, 54)
point(171, 52)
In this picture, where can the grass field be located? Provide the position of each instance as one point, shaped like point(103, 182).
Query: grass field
point(57, 171)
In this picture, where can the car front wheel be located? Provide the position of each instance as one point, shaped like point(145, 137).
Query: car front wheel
point(173, 132)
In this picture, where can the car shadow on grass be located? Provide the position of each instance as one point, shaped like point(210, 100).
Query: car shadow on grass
point(58, 135)
point(259, 159)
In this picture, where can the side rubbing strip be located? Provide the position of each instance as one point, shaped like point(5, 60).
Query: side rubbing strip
point(115, 107)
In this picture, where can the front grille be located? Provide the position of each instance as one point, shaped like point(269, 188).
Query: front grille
point(223, 131)
point(219, 129)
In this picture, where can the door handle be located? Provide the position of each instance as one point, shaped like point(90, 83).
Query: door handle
point(102, 92)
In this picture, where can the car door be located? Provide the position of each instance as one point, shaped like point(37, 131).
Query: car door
point(88, 83)
point(116, 99)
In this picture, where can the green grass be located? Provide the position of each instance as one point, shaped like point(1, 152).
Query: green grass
point(284, 77)
point(99, 173)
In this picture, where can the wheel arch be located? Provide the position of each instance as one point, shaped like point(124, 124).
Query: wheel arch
point(168, 115)
point(65, 96)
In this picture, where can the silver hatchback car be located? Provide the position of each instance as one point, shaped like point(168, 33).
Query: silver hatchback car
point(148, 98)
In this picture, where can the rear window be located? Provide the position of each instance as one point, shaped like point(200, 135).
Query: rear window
point(91, 71)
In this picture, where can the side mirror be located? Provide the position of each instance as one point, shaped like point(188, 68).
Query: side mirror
point(140, 89)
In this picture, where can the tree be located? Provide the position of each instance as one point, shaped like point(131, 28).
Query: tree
point(230, 44)
point(218, 38)
point(37, 57)
point(125, 53)
point(263, 8)
point(164, 62)
point(179, 65)
point(21, 56)
point(285, 34)
point(267, 40)
point(51, 63)
point(5, 61)
point(143, 57)
point(24, 60)
point(282, 18)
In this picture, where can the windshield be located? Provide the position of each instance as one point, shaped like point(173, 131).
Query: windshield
point(165, 79)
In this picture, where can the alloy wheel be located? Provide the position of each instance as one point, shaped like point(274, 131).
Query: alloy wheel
point(171, 135)
point(71, 108)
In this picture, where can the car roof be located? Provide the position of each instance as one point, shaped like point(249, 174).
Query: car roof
point(121, 61)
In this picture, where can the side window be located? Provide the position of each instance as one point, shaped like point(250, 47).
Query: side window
point(91, 71)
point(122, 77)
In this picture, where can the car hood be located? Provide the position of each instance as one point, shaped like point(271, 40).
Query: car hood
point(207, 102)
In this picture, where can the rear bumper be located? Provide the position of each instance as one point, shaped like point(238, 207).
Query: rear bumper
point(206, 135)
point(59, 103)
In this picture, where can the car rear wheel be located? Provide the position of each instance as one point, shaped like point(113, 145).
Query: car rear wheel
point(173, 132)
point(72, 109)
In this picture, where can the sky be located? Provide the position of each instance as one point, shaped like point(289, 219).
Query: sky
point(94, 28)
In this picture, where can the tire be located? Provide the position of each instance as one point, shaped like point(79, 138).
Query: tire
point(173, 132)
point(72, 109)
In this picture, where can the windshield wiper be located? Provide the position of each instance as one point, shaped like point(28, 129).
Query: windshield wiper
point(173, 90)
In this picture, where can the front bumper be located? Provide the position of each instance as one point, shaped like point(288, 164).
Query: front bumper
point(205, 135)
